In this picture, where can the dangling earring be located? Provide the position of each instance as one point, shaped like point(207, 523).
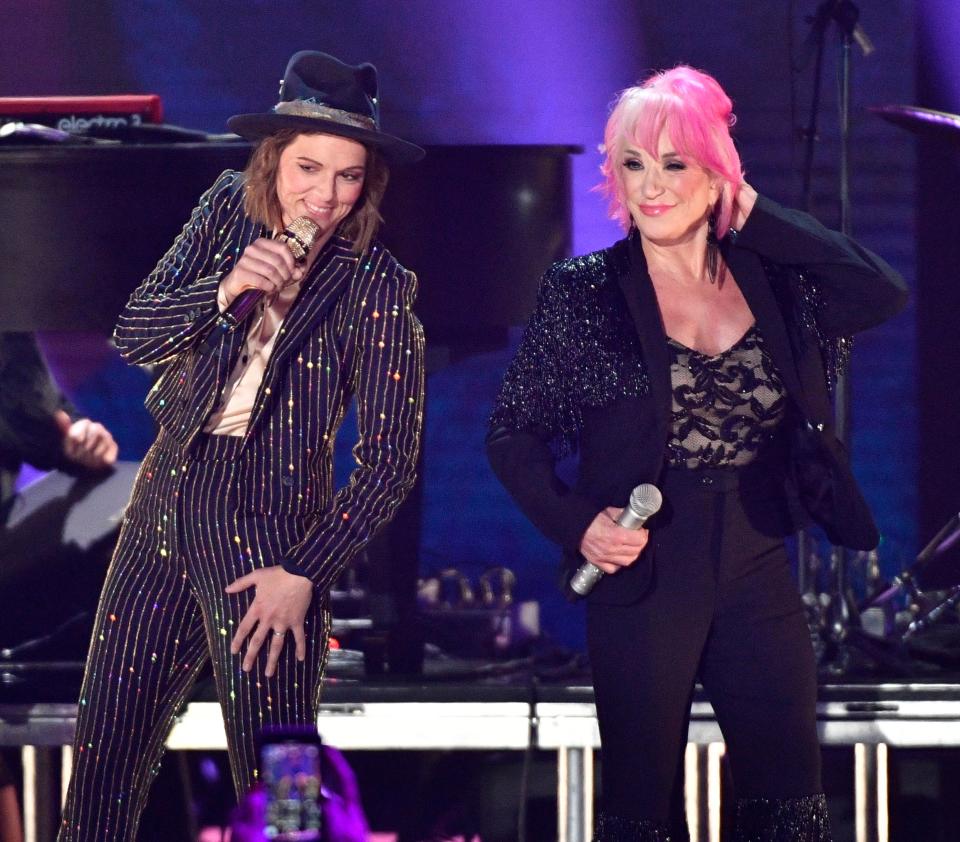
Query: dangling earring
point(713, 248)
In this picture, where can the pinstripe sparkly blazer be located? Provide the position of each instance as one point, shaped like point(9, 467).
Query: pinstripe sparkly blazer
point(351, 331)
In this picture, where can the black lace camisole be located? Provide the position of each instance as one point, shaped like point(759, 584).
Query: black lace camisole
point(725, 407)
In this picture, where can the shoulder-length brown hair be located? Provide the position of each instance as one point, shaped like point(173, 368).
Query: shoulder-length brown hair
point(262, 205)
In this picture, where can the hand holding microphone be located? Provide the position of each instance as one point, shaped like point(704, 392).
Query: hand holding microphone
point(266, 267)
point(615, 540)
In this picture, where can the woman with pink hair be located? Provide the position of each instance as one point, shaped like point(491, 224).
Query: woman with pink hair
point(697, 354)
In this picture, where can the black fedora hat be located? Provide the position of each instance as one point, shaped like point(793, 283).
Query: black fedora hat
point(320, 93)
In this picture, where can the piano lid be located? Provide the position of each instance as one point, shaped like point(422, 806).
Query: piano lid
point(81, 226)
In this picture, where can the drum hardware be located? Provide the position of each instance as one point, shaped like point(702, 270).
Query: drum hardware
point(482, 620)
point(922, 121)
point(875, 633)
point(924, 609)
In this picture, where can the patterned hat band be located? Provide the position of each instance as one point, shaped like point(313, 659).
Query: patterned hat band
point(303, 108)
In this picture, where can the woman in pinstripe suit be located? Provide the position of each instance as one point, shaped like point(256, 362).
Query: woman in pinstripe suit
point(233, 535)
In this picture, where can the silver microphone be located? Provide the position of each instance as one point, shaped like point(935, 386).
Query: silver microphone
point(645, 501)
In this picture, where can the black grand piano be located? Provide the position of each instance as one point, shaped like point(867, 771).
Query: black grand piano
point(80, 225)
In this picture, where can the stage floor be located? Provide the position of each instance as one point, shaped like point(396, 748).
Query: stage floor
point(513, 713)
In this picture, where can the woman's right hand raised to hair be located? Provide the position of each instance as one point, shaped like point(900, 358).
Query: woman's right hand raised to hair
point(610, 546)
point(265, 264)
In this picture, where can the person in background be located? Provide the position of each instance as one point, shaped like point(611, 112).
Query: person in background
point(696, 354)
point(37, 424)
point(36, 428)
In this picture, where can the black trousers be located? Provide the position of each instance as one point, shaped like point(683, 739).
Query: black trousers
point(162, 614)
point(724, 608)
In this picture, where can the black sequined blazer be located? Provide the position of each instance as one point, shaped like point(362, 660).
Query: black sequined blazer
point(351, 332)
point(592, 375)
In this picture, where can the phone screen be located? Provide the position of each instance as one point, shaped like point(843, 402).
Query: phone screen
point(291, 775)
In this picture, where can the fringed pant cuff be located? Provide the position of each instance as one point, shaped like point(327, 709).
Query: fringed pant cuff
point(612, 828)
point(783, 819)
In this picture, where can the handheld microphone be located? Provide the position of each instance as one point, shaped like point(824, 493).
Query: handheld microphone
point(299, 237)
point(645, 501)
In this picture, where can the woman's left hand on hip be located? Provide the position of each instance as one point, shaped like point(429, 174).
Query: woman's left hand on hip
point(279, 607)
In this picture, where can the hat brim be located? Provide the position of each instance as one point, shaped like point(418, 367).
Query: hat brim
point(258, 126)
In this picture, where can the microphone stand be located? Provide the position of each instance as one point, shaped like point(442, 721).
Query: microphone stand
point(842, 614)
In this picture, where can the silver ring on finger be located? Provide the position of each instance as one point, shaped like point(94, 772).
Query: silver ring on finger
point(279, 634)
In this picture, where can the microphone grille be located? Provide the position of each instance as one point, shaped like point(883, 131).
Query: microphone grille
point(646, 500)
point(299, 237)
point(304, 229)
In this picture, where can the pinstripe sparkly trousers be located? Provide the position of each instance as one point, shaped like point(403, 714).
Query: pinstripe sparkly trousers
point(162, 613)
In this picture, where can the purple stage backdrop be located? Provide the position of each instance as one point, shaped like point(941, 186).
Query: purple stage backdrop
point(501, 71)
